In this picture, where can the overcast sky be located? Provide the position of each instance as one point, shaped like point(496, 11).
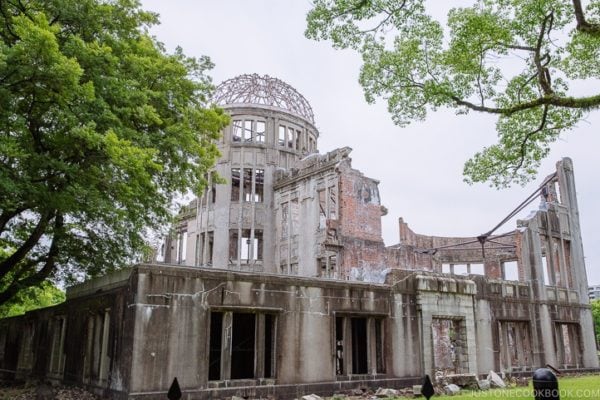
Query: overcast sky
point(419, 166)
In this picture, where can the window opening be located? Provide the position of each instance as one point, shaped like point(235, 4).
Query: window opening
point(237, 131)
point(259, 185)
point(233, 244)
point(247, 131)
point(235, 184)
point(322, 209)
point(260, 131)
point(281, 137)
point(247, 184)
point(295, 217)
point(298, 137)
point(477, 269)
point(290, 138)
point(510, 271)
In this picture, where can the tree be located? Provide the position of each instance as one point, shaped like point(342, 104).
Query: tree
point(100, 128)
point(511, 58)
point(32, 298)
point(596, 315)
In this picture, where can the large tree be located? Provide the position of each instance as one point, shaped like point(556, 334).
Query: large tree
point(100, 127)
point(511, 58)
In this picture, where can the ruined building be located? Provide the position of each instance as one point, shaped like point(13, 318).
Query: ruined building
point(277, 282)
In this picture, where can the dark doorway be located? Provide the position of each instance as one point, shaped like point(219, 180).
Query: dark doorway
point(359, 346)
point(242, 346)
point(214, 358)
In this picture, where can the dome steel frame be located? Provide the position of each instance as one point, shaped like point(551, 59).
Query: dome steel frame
point(263, 90)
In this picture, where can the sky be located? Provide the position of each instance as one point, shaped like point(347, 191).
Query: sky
point(419, 166)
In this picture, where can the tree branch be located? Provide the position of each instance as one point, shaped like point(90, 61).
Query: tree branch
point(7, 265)
point(46, 270)
point(582, 24)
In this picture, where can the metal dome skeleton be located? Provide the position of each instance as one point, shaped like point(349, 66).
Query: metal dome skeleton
point(264, 90)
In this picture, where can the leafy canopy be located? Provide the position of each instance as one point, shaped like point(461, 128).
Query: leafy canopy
point(511, 58)
point(99, 129)
point(596, 316)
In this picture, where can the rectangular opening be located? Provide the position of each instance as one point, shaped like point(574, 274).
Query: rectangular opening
point(290, 138)
point(242, 346)
point(446, 268)
point(510, 271)
point(322, 209)
point(247, 131)
point(237, 131)
point(477, 269)
point(260, 132)
point(233, 244)
point(339, 345)
point(359, 345)
point(269, 343)
point(281, 137)
point(460, 269)
point(247, 184)
point(449, 345)
point(259, 185)
point(209, 248)
point(214, 354)
point(545, 276)
point(298, 137)
point(235, 184)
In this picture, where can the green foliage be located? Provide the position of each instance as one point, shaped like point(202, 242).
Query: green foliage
point(32, 298)
point(512, 58)
point(100, 128)
point(596, 316)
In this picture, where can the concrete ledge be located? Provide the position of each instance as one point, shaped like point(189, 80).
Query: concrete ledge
point(103, 283)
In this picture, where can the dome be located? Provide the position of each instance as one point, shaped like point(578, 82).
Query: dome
point(263, 90)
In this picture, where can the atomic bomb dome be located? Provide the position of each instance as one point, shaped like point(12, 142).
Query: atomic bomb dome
point(263, 90)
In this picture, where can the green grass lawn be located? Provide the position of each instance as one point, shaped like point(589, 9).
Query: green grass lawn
point(571, 388)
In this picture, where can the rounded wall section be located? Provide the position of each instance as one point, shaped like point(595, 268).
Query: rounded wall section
point(272, 127)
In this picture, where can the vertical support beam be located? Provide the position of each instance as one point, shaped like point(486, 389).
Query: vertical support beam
point(104, 359)
point(259, 347)
point(226, 345)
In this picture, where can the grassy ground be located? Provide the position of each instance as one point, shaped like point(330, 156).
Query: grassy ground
point(571, 388)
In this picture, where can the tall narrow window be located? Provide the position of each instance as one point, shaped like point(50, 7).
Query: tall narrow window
point(247, 245)
point(322, 209)
point(209, 248)
point(233, 244)
point(235, 184)
point(247, 131)
point(247, 184)
point(290, 138)
point(260, 132)
point(259, 185)
point(281, 137)
point(258, 244)
point(237, 131)
point(298, 137)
